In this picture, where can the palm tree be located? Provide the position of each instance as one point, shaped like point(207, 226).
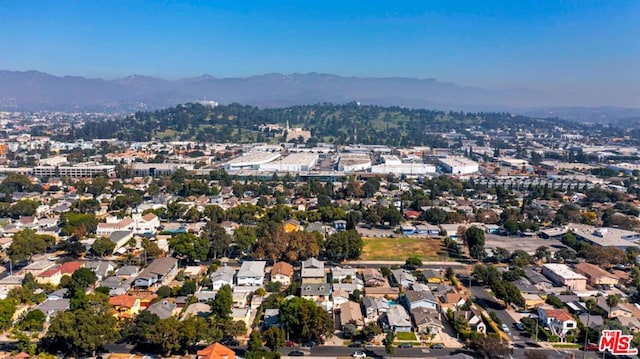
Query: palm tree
point(612, 301)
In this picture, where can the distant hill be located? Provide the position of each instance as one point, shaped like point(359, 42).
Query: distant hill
point(33, 90)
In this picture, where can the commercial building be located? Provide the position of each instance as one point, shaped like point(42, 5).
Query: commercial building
point(606, 237)
point(561, 274)
point(157, 169)
point(407, 169)
point(352, 162)
point(295, 162)
point(251, 160)
point(81, 171)
point(458, 165)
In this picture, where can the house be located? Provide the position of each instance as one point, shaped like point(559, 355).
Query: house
point(54, 275)
point(562, 275)
point(633, 323)
point(147, 224)
point(559, 321)
point(163, 308)
point(596, 275)
point(159, 271)
point(38, 267)
point(282, 272)
point(239, 299)
point(427, 320)
point(100, 268)
point(291, 225)
point(340, 225)
point(408, 229)
point(117, 285)
point(241, 314)
point(453, 300)
point(474, 318)
point(215, 351)
point(222, 276)
point(58, 294)
point(427, 230)
point(313, 271)
point(251, 273)
point(125, 306)
point(343, 274)
point(403, 278)
point(318, 292)
point(538, 280)
point(419, 299)
point(621, 310)
point(339, 297)
point(114, 224)
point(591, 320)
point(432, 276)
point(373, 278)
point(120, 239)
point(396, 319)
point(532, 301)
point(51, 308)
point(127, 271)
point(350, 313)
point(374, 308)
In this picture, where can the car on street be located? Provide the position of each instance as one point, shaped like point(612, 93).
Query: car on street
point(504, 328)
point(591, 347)
point(437, 346)
point(310, 344)
point(295, 353)
point(405, 345)
point(359, 355)
point(520, 326)
point(290, 344)
point(355, 344)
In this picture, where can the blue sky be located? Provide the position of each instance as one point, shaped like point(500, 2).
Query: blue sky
point(578, 45)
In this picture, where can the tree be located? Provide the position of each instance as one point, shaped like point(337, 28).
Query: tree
point(413, 262)
point(388, 343)
point(217, 237)
point(474, 239)
point(245, 237)
point(221, 305)
point(82, 330)
point(103, 246)
point(501, 254)
point(369, 331)
point(25, 244)
point(344, 245)
point(255, 342)
point(7, 309)
point(543, 253)
point(304, 320)
point(489, 347)
point(274, 338)
point(612, 301)
point(84, 277)
point(166, 335)
point(190, 246)
point(33, 321)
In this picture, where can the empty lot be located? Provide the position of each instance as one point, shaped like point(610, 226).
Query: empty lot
point(527, 244)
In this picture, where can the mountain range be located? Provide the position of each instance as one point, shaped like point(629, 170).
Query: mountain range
point(34, 90)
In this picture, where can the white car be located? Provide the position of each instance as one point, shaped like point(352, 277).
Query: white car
point(359, 355)
point(505, 328)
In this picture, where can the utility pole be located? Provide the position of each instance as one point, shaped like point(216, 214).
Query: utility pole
point(586, 337)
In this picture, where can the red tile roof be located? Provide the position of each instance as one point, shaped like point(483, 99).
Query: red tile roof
point(216, 351)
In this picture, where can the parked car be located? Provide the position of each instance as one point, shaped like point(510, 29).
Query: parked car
point(504, 328)
point(520, 326)
point(356, 344)
point(290, 344)
point(359, 355)
point(437, 346)
point(405, 345)
point(295, 353)
point(591, 347)
point(310, 344)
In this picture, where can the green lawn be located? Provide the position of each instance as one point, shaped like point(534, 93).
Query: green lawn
point(399, 249)
point(406, 336)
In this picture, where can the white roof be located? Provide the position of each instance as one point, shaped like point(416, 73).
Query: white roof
point(252, 269)
point(563, 271)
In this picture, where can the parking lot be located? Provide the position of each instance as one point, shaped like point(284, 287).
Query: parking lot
point(528, 244)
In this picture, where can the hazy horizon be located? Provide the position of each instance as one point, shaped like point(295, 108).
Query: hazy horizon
point(585, 52)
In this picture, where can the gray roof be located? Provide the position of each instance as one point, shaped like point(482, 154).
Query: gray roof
point(163, 309)
point(51, 307)
point(401, 275)
point(312, 268)
point(117, 236)
point(397, 316)
point(127, 271)
point(252, 269)
point(315, 289)
point(101, 268)
point(415, 296)
point(160, 266)
point(224, 274)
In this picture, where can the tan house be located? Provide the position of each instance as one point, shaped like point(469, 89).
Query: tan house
point(350, 313)
point(282, 272)
point(382, 292)
point(596, 275)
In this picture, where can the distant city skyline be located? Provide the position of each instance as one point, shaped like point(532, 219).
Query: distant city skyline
point(588, 49)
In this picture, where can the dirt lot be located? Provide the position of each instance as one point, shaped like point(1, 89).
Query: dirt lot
point(528, 244)
point(399, 249)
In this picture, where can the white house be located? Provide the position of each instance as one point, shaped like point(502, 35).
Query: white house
point(251, 273)
point(222, 276)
